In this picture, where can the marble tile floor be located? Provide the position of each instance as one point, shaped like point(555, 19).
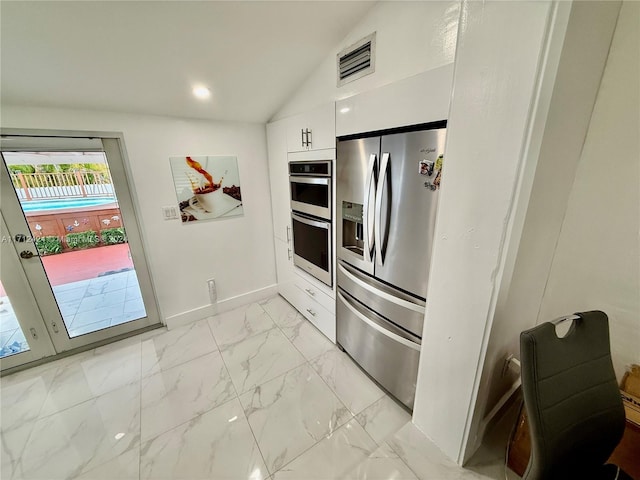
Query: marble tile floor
point(256, 393)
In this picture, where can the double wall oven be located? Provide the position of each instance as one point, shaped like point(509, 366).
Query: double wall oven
point(311, 195)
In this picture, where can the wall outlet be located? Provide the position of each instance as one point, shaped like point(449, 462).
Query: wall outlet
point(213, 293)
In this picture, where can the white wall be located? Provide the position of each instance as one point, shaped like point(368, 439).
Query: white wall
point(584, 44)
point(597, 260)
point(237, 252)
point(498, 64)
point(412, 37)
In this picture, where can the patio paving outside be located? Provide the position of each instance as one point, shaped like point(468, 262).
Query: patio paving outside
point(95, 289)
point(12, 339)
point(97, 303)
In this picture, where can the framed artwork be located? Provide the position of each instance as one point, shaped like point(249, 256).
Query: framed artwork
point(207, 187)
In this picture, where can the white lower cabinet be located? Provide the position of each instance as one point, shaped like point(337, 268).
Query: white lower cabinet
point(315, 305)
point(284, 264)
point(314, 293)
point(308, 136)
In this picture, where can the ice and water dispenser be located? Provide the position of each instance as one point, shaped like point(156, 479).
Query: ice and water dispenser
point(352, 230)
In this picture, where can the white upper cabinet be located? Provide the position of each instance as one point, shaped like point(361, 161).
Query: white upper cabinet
point(279, 179)
point(418, 99)
point(313, 130)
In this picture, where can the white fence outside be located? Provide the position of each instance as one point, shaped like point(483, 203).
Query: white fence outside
point(79, 184)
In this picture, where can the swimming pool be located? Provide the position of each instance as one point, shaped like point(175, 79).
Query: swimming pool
point(57, 204)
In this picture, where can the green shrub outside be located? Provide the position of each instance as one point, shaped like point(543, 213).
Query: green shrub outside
point(83, 239)
point(48, 245)
point(22, 168)
point(112, 236)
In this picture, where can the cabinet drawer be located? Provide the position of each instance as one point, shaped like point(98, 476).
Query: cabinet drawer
point(315, 294)
point(324, 320)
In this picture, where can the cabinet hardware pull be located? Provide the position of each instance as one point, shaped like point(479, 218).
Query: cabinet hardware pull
point(302, 137)
point(310, 292)
point(288, 233)
point(313, 314)
point(309, 138)
point(289, 253)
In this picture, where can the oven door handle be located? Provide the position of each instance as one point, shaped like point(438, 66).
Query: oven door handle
point(308, 221)
point(369, 222)
point(310, 180)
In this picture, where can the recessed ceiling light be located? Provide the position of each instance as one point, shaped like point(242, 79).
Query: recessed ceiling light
point(201, 92)
point(344, 110)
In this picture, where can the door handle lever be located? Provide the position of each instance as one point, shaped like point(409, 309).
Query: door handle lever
point(27, 254)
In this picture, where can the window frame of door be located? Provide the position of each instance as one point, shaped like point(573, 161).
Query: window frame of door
point(24, 306)
point(114, 148)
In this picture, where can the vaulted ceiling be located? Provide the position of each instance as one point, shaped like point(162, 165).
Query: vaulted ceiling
point(146, 56)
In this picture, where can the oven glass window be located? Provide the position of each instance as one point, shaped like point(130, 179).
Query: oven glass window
point(311, 243)
point(310, 194)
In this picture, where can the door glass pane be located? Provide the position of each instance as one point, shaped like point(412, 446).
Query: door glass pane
point(12, 339)
point(72, 211)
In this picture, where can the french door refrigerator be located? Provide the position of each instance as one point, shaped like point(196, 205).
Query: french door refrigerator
point(387, 193)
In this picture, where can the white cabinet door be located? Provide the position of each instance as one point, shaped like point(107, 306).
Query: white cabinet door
point(321, 124)
point(296, 131)
point(279, 179)
point(284, 263)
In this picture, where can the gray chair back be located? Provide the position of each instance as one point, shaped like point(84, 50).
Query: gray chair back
point(572, 398)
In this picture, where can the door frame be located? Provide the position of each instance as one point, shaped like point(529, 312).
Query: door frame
point(24, 305)
point(115, 151)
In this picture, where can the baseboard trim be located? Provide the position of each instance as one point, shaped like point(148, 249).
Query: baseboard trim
point(249, 297)
point(190, 316)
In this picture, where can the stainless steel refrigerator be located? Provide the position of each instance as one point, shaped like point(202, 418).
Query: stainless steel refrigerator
point(387, 194)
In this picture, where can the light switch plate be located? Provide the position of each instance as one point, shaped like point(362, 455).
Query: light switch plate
point(170, 213)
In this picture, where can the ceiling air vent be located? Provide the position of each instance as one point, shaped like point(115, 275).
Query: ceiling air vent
point(357, 60)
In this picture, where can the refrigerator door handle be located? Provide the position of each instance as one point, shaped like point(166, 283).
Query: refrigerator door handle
point(404, 341)
point(387, 296)
point(382, 180)
point(368, 223)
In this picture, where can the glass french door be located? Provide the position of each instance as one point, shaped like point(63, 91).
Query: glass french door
point(71, 233)
point(23, 334)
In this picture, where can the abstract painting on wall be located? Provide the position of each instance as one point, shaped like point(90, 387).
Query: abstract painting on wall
point(208, 187)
